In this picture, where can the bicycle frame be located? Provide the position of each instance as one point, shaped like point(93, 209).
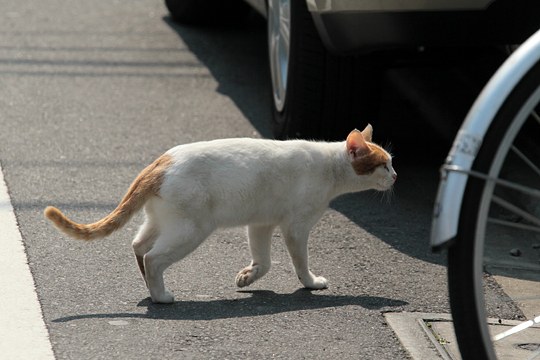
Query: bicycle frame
point(458, 164)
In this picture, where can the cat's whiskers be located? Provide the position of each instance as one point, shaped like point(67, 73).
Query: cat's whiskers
point(387, 195)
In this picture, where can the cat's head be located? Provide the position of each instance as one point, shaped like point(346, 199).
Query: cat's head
point(370, 160)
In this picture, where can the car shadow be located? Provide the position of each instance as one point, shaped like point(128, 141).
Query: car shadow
point(261, 302)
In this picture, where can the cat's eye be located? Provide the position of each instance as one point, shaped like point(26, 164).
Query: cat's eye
point(386, 168)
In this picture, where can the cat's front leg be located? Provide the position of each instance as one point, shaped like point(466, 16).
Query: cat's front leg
point(259, 239)
point(296, 240)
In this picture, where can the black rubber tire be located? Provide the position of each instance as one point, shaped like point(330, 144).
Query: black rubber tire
point(207, 12)
point(327, 95)
point(467, 317)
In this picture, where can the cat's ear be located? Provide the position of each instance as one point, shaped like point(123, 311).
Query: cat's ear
point(368, 132)
point(356, 144)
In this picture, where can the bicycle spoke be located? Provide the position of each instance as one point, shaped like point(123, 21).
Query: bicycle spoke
point(526, 160)
point(514, 225)
point(524, 325)
point(535, 116)
point(516, 210)
point(511, 185)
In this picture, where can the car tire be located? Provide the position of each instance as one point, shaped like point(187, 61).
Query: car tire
point(207, 12)
point(315, 94)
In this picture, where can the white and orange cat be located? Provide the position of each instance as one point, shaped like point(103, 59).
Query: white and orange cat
point(193, 189)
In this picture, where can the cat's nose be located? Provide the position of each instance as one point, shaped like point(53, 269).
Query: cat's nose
point(394, 176)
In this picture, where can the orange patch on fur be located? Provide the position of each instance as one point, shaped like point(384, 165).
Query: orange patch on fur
point(366, 164)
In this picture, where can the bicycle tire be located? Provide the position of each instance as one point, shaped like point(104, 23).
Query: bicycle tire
point(465, 268)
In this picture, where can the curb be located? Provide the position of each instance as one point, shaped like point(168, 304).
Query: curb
point(431, 336)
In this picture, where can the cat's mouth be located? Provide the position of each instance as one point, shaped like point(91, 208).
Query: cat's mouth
point(385, 186)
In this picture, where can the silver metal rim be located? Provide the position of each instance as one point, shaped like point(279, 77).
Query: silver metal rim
point(279, 26)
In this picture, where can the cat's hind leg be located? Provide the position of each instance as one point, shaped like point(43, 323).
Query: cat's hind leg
point(259, 239)
point(296, 239)
point(143, 242)
point(177, 238)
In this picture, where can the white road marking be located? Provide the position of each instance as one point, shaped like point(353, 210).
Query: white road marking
point(23, 334)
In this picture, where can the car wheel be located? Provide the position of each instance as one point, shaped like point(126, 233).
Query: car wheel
point(315, 94)
point(207, 12)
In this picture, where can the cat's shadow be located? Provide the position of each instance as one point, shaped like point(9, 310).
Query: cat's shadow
point(261, 302)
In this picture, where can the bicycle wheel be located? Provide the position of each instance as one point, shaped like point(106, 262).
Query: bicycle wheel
point(499, 226)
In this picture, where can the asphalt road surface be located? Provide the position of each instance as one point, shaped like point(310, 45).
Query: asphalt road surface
point(90, 93)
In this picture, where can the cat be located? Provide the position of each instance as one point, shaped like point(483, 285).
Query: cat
point(193, 189)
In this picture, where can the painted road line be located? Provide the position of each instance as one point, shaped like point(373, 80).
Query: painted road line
point(23, 334)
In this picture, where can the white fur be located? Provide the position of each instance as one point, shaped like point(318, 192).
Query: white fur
point(259, 183)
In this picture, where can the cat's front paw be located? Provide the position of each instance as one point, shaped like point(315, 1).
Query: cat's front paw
point(246, 276)
point(316, 283)
point(165, 298)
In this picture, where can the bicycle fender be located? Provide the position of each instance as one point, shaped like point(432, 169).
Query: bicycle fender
point(469, 139)
point(452, 187)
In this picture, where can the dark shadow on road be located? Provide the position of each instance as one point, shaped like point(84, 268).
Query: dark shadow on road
point(261, 302)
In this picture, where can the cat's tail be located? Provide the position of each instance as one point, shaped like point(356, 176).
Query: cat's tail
point(147, 184)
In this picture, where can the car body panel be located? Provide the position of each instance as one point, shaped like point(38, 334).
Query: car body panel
point(390, 25)
point(360, 26)
point(324, 6)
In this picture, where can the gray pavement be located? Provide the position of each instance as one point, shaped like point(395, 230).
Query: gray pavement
point(90, 93)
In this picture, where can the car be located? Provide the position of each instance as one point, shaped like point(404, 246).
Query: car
point(327, 57)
